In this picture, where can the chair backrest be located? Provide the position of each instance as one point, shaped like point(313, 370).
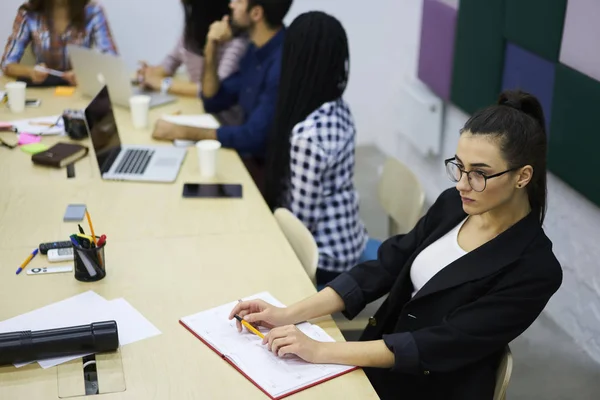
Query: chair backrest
point(503, 374)
point(401, 196)
point(301, 240)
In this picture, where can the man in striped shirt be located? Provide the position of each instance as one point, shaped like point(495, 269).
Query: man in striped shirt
point(253, 88)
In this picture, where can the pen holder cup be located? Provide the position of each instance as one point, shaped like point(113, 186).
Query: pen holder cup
point(90, 264)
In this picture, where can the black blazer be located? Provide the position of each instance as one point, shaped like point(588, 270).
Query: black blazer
point(448, 339)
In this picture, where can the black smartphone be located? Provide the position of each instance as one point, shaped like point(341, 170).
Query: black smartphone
point(33, 102)
point(210, 190)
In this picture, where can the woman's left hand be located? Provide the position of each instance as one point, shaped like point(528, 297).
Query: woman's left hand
point(70, 77)
point(291, 340)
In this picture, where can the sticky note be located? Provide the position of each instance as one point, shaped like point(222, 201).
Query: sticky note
point(64, 91)
point(26, 138)
point(34, 148)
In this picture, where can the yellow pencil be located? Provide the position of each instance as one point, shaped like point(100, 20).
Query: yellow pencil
point(249, 327)
point(87, 214)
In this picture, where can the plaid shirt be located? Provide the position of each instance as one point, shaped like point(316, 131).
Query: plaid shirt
point(50, 48)
point(321, 191)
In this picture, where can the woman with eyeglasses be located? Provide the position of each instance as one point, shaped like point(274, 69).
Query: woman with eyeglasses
point(475, 272)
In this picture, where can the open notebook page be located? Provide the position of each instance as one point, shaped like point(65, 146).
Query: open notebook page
point(277, 376)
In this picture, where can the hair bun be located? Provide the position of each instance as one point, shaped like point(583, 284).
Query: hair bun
point(524, 102)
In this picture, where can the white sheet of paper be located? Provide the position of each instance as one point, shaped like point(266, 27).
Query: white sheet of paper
point(199, 121)
point(132, 326)
point(278, 376)
point(30, 125)
point(83, 309)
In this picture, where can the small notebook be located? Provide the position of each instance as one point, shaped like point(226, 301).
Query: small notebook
point(276, 377)
point(60, 154)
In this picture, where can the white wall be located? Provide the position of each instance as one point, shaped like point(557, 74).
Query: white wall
point(379, 54)
point(384, 41)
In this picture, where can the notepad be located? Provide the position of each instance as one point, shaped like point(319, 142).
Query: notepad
point(83, 309)
point(64, 91)
point(206, 121)
point(34, 148)
point(277, 377)
point(26, 138)
point(52, 125)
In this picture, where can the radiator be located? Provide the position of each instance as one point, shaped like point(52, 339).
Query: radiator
point(420, 116)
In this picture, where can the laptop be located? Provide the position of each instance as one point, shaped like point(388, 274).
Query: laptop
point(127, 162)
point(95, 69)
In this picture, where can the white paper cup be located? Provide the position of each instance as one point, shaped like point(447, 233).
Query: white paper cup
point(16, 96)
point(139, 105)
point(207, 157)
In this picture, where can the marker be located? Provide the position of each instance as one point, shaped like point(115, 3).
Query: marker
point(33, 254)
point(249, 326)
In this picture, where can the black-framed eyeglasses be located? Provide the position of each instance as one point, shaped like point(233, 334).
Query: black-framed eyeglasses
point(477, 179)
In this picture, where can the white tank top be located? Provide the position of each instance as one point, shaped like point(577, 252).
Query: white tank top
point(436, 257)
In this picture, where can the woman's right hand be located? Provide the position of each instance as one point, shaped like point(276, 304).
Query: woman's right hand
point(38, 76)
point(260, 313)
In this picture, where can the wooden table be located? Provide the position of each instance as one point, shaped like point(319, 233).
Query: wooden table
point(168, 256)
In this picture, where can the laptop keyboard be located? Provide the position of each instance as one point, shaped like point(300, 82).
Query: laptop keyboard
point(134, 162)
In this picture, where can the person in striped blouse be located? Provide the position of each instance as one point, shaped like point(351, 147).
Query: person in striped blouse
point(47, 27)
point(189, 51)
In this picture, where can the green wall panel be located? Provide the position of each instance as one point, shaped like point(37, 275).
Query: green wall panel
point(575, 132)
point(479, 54)
point(536, 25)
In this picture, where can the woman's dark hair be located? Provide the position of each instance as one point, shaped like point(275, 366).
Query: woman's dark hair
point(518, 121)
point(274, 10)
point(199, 15)
point(76, 10)
point(314, 70)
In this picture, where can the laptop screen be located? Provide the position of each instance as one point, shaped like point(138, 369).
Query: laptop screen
point(103, 130)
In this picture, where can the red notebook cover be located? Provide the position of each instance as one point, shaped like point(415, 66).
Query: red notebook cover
point(253, 382)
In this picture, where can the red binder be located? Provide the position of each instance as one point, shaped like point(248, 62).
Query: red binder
point(224, 357)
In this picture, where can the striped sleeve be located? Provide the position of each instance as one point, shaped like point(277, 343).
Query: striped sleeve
point(103, 39)
point(173, 60)
point(18, 40)
point(230, 57)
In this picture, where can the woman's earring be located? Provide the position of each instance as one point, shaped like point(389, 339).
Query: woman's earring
point(518, 186)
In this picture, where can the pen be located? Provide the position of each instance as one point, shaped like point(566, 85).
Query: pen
point(249, 327)
point(48, 124)
point(49, 71)
point(81, 229)
point(87, 214)
point(22, 267)
point(102, 240)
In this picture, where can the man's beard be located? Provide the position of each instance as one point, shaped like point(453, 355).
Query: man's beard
point(238, 30)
